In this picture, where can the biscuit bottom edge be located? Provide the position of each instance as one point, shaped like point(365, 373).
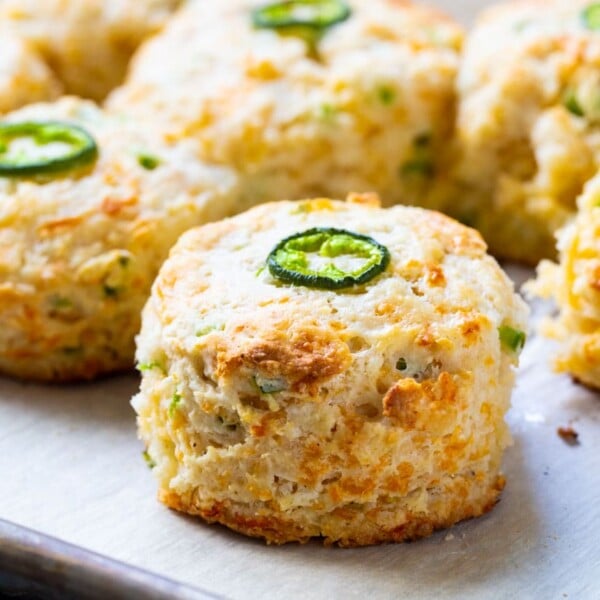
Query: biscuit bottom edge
point(344, 527)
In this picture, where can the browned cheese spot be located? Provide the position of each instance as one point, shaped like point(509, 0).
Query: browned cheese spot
point(112, 206)
point(471, 329)
point(367, 198)
point(456, 238)
point(427, 406)
point(594, 278)
point(303, 358)
point(435, 276)
point(57, 226)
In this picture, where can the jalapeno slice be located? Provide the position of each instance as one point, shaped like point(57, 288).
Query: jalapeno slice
point(328, 258)
point(313, 14)
point(34, 148)
point(591, 16)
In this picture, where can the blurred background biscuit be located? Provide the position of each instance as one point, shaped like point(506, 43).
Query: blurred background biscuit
point(80, 245)
point(574, 284)
point(24, 76)
point(87, 43)
point(366, 103)
point(528, 122)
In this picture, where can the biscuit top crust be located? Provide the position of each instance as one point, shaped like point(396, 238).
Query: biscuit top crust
point(528, 119)
point(39, 19)
point(125, 203)
point(536, 47)
point(64, 31)
point(440, 293)
point(273, 72)
point(535, 28)
point(24, 77)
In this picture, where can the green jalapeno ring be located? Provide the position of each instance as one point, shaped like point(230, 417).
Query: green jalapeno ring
point(591, 16)
point(83, 148)
point(288, 262)
point(310, 14)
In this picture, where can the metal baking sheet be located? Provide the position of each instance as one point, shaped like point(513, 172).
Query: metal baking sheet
point(71, 468)
point(33, 565)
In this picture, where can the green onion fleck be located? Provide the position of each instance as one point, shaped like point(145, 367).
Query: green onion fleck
point(386, 94)
point(521, 25)
point(175, 401)
point(148, 162)
point(511, 339)
point(209, 329)
point(421, 164)
point(270, 386)
point(591, 16)
point(148, 459)
point(422, 167)
point(150, 366)
point(301, 208)
point(327, 112)
point(61, 303)
point(571, 103)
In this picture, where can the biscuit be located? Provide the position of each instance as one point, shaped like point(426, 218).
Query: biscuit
point(369, 414)
point(527, 123)
point(574, 285)
point(24, 76)
point(79, 248)
point(87, 43)
point(370, 106)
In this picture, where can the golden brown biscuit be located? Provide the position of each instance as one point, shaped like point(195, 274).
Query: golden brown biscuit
point(528, 122)
point(24, 77)
point(360, 415)
point(88, 43)
point(79, 248)
point(574, 284)
point(368, 107)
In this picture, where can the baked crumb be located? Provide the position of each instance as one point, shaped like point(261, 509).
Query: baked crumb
point(568, 435)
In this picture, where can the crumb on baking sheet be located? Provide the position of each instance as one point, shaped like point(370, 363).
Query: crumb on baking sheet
point(568, 435)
